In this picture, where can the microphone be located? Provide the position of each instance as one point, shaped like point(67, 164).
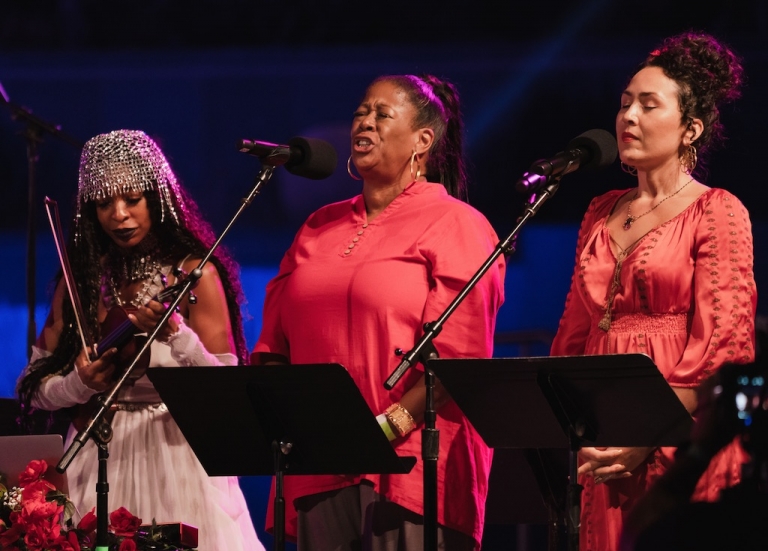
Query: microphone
point(307, 157)
point(589, 151)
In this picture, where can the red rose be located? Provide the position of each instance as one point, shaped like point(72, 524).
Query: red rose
point(127, 545)
point(35, 512)
point(72, 539)
point(123, 523)
point(66, 542)
point(9, 535)
point(36, 491)
point(37, 537)
point(34, 472)
point(88, 523)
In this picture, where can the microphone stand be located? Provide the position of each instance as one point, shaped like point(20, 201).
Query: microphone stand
point(35, 128)
point(424, 350)
point(98, 426)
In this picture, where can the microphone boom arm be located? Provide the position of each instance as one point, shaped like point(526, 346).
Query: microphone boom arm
point(506, 246)
point(424, 350)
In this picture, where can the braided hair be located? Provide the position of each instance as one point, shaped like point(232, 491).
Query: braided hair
point(177, 237)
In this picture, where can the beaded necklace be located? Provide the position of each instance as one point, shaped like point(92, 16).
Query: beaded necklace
point(139, 264)
point(605, 322)
point(143, 292)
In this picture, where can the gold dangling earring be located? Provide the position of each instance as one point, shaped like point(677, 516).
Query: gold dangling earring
point(418, 167)
point(628, 169)
point(689, 159)
point(349, 169)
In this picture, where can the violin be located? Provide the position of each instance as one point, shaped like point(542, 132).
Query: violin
point(121, 333)
point(118, 329)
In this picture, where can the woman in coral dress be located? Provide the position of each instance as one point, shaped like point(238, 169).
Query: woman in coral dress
point(663, 269)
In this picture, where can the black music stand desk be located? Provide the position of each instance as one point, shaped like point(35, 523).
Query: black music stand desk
point(275, 420)
point(566, 402)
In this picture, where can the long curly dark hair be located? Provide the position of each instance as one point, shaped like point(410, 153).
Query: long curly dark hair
point(709, 75)
point(192, 236)
point(438, 107)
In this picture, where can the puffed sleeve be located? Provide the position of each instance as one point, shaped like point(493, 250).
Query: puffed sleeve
point(58, 391)
point(723, 322)
point(465, 240)
point(574, 326)
point(272, 343)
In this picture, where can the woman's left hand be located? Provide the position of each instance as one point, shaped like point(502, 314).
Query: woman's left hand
point(147, 317)
point(610, 463)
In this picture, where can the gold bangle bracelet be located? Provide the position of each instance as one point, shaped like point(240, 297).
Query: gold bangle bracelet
point(400, 419)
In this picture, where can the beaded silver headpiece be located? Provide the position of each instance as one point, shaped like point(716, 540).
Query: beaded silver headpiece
point(123, 161)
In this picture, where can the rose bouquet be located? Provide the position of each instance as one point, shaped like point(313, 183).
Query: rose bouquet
point(35, 516)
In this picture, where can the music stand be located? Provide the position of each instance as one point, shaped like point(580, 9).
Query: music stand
point(567, 402)
point(273, 420)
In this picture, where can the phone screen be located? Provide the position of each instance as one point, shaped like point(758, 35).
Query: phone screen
point(749, 397)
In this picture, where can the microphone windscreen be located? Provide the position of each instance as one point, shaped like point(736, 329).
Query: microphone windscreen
point(600, 145)
point(317, 159)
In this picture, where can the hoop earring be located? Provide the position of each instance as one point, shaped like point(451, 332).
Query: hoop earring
point(418, 167)
point(628, 169)
point(349, 169)
point(688, 160)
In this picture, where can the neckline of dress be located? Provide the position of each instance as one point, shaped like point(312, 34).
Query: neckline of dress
point(636, 244)
point(417, 187)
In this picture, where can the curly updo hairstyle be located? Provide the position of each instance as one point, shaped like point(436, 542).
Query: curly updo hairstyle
point(709, 75)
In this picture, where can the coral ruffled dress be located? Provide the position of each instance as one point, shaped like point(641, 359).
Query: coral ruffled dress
point(686, 297)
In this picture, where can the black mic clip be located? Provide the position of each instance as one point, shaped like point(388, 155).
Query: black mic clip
point(307, 157)
point(591, 150)
point(268, 153)
point(543, 171)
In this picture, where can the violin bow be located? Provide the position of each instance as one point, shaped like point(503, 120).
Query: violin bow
point(52, 208)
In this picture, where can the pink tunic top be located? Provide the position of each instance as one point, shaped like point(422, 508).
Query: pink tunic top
point(686, 298)
point(351, 292)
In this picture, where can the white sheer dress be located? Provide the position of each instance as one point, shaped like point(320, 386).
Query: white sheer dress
point(151, 470)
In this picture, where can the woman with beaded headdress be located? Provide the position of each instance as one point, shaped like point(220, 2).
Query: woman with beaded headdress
point(359, 282)
point(135, 232)
point(664, 268)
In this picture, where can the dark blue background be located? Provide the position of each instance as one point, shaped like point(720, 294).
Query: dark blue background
point(201, 75)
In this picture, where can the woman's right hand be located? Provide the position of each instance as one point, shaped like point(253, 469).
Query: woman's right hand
point(600, 462)
point(96, 375)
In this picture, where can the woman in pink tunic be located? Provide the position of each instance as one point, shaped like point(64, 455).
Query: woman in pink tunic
point(358, 283)
point(664, 269)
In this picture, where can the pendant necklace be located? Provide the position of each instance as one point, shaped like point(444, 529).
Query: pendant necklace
point(632, 219)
